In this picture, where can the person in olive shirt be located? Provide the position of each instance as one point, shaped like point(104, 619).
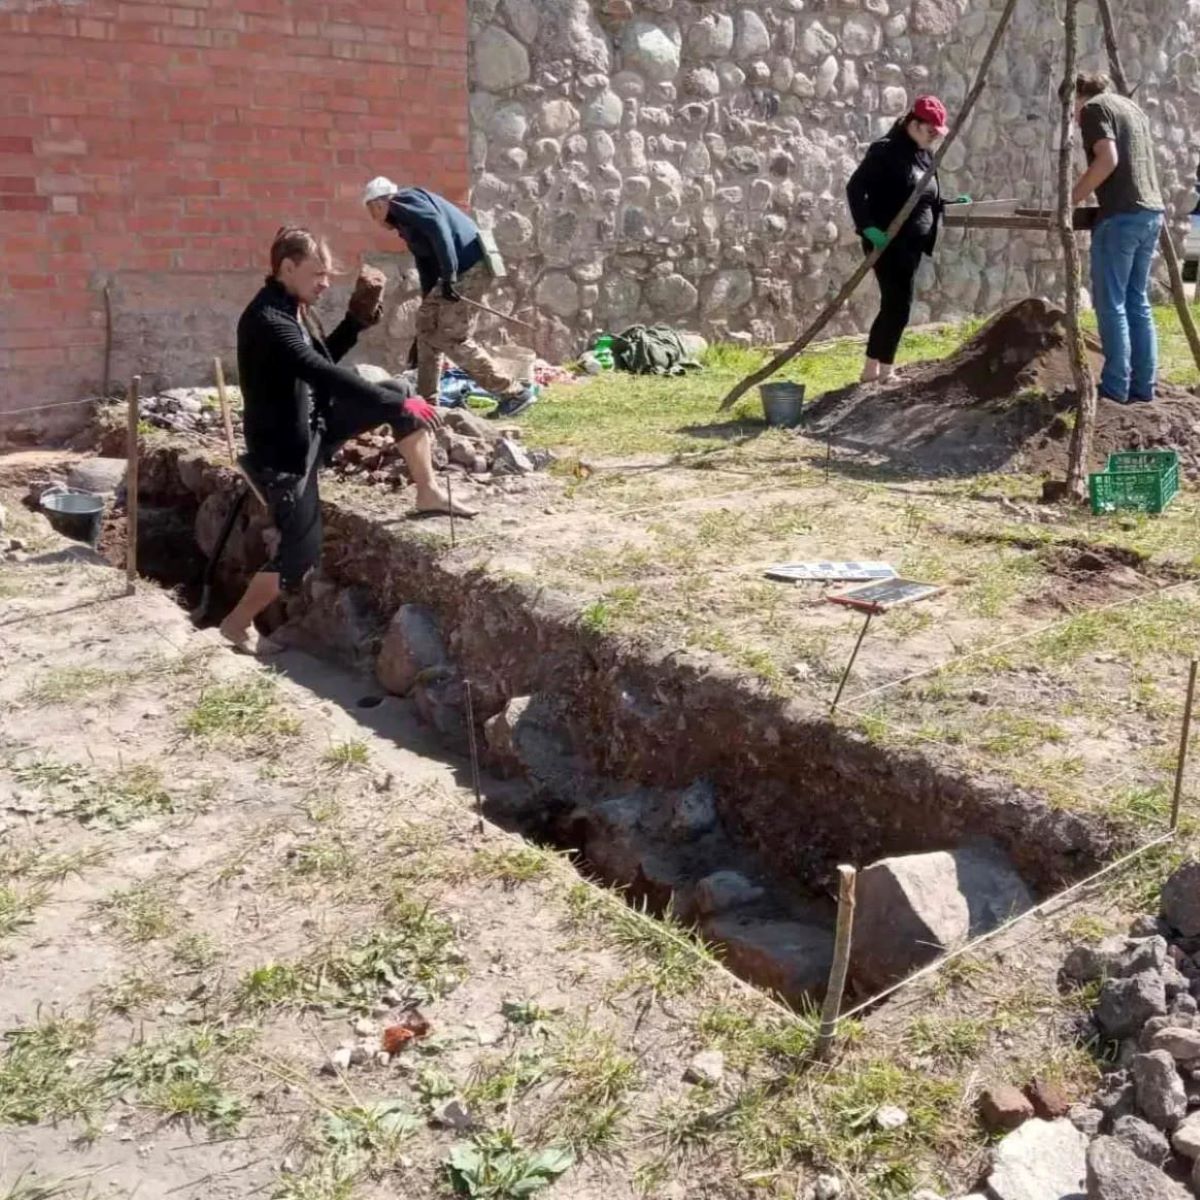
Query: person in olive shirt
point(1122, 173)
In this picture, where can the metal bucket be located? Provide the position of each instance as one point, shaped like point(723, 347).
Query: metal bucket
point(783, 403)
point(76, 515)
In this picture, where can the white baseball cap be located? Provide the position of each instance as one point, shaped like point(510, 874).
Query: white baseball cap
point(380, 188)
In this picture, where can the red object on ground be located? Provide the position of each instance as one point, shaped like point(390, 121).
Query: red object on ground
point(410, 1028)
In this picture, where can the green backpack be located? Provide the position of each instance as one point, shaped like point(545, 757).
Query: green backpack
point(651, 350)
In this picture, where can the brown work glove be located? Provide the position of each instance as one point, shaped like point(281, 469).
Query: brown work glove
point(366, 301)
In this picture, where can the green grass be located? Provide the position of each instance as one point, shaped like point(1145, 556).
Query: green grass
point(511, 865)
point(125, 796)
point(242, 711)
point(71, 685)
point(345, 756)
point(140, 913)
point(195, 952)
point(18, 905)
point(46, 1074)
point(185, 1077)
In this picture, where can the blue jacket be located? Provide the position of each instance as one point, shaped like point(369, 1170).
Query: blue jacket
point(442, 238)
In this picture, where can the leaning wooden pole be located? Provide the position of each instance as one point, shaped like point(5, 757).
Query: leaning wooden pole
point(1085, 388)
point(1166, 242)
point(851, 285)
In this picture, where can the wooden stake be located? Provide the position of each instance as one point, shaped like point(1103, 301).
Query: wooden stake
point(226, 417)
point(1085, 387)
point(131, 485)
point(1165, 241)
point(474, 755)
point(851, 285)
point(1184, 737)
point(847, 878)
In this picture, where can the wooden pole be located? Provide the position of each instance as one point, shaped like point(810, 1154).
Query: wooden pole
point(131, 485)
point(1184, 737)
point(1167, 243)
point(851, 285)
point(847, 877)
point(1085, 388)
point(225, 414)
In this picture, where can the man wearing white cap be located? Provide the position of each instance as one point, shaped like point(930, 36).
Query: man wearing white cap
point(452, 263)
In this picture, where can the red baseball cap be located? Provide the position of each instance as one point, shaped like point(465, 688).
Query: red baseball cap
point(932, 111)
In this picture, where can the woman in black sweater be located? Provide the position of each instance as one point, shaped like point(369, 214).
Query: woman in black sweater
point(877, 190)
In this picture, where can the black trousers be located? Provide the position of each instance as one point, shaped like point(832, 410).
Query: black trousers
point(896, 272)
point(295, 501)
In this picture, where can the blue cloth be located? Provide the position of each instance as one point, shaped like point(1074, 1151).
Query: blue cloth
point(1122, 252)
point(443, 239)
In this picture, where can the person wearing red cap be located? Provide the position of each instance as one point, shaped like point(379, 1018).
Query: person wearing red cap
point(877, 191)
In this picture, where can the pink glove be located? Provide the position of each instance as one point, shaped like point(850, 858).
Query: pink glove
point(422, 411)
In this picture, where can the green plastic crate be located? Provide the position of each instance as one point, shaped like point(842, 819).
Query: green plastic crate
point(1143, 480)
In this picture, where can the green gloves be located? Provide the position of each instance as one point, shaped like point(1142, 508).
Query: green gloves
point(961, 200)
point(875, 236)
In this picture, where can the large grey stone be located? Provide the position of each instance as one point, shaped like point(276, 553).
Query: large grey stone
point(1114, 958)
point(523, 17)
point(103, 476)
point(1181, 899)
point(711, 36)
point(1158, 1090)
point(816, 42)
point(558, 293)
point(1043, 1160)
point(788, 957)
point(861, 34)
point(1127, 1004)
point(1148, 1143)
point(1183, 1045)
point(651, 49)
point(671, 296)
point(603, 111)
point(1114, 1172)
point(570, 31)
point(1186, 1138)
point(752, 40)
point(413, 643)
point(912, 908)
point(500, 61)
point(557, 117)
point(724, 890)
point(694, 810)
point(727, 292)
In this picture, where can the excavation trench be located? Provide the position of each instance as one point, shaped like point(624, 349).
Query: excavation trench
point(678, 782)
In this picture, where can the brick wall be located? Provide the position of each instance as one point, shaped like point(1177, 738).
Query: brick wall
point(156, 148)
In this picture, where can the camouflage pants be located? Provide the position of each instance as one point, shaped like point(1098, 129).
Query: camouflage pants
point(448, 327)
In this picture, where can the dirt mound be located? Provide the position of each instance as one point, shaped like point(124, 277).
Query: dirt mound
point(1004, 400)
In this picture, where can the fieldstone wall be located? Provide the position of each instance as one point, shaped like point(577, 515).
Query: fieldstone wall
point(687, 161)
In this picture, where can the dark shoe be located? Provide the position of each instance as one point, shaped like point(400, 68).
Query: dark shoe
point(1111, 399)
point(509, 406)
point(1141, 399)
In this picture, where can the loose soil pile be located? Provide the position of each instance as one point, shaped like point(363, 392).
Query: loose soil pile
point(1003, 401)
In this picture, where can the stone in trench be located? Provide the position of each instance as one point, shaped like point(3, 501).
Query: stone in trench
point(1086, 1119)
point(465, 422)
point(1148, 1143)
point(694, 810)
point(707, 1067)
point(724, 890)
point(103, 476)
point(1158, 1090)
point(915, 907)
point(1114, 1172)
point(614, 839)
point(1043, 1160)
point(511, 459)
point(413, 643)
point(1115, 957)
point(1115, 1096)
point(1186, 1138)
point(1183, 1045)
point(500, 61)
point(331, 622)
point(1127, 1004)
point(788, 957)
point(1048, 1099)
point(1003, 1108)
point(1181, 899)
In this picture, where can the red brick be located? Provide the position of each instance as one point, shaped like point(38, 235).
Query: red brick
point(13, 184)
point(23, 204)
point(16, 145)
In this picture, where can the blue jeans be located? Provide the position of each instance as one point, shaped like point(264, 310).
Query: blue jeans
point(1122, 251)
